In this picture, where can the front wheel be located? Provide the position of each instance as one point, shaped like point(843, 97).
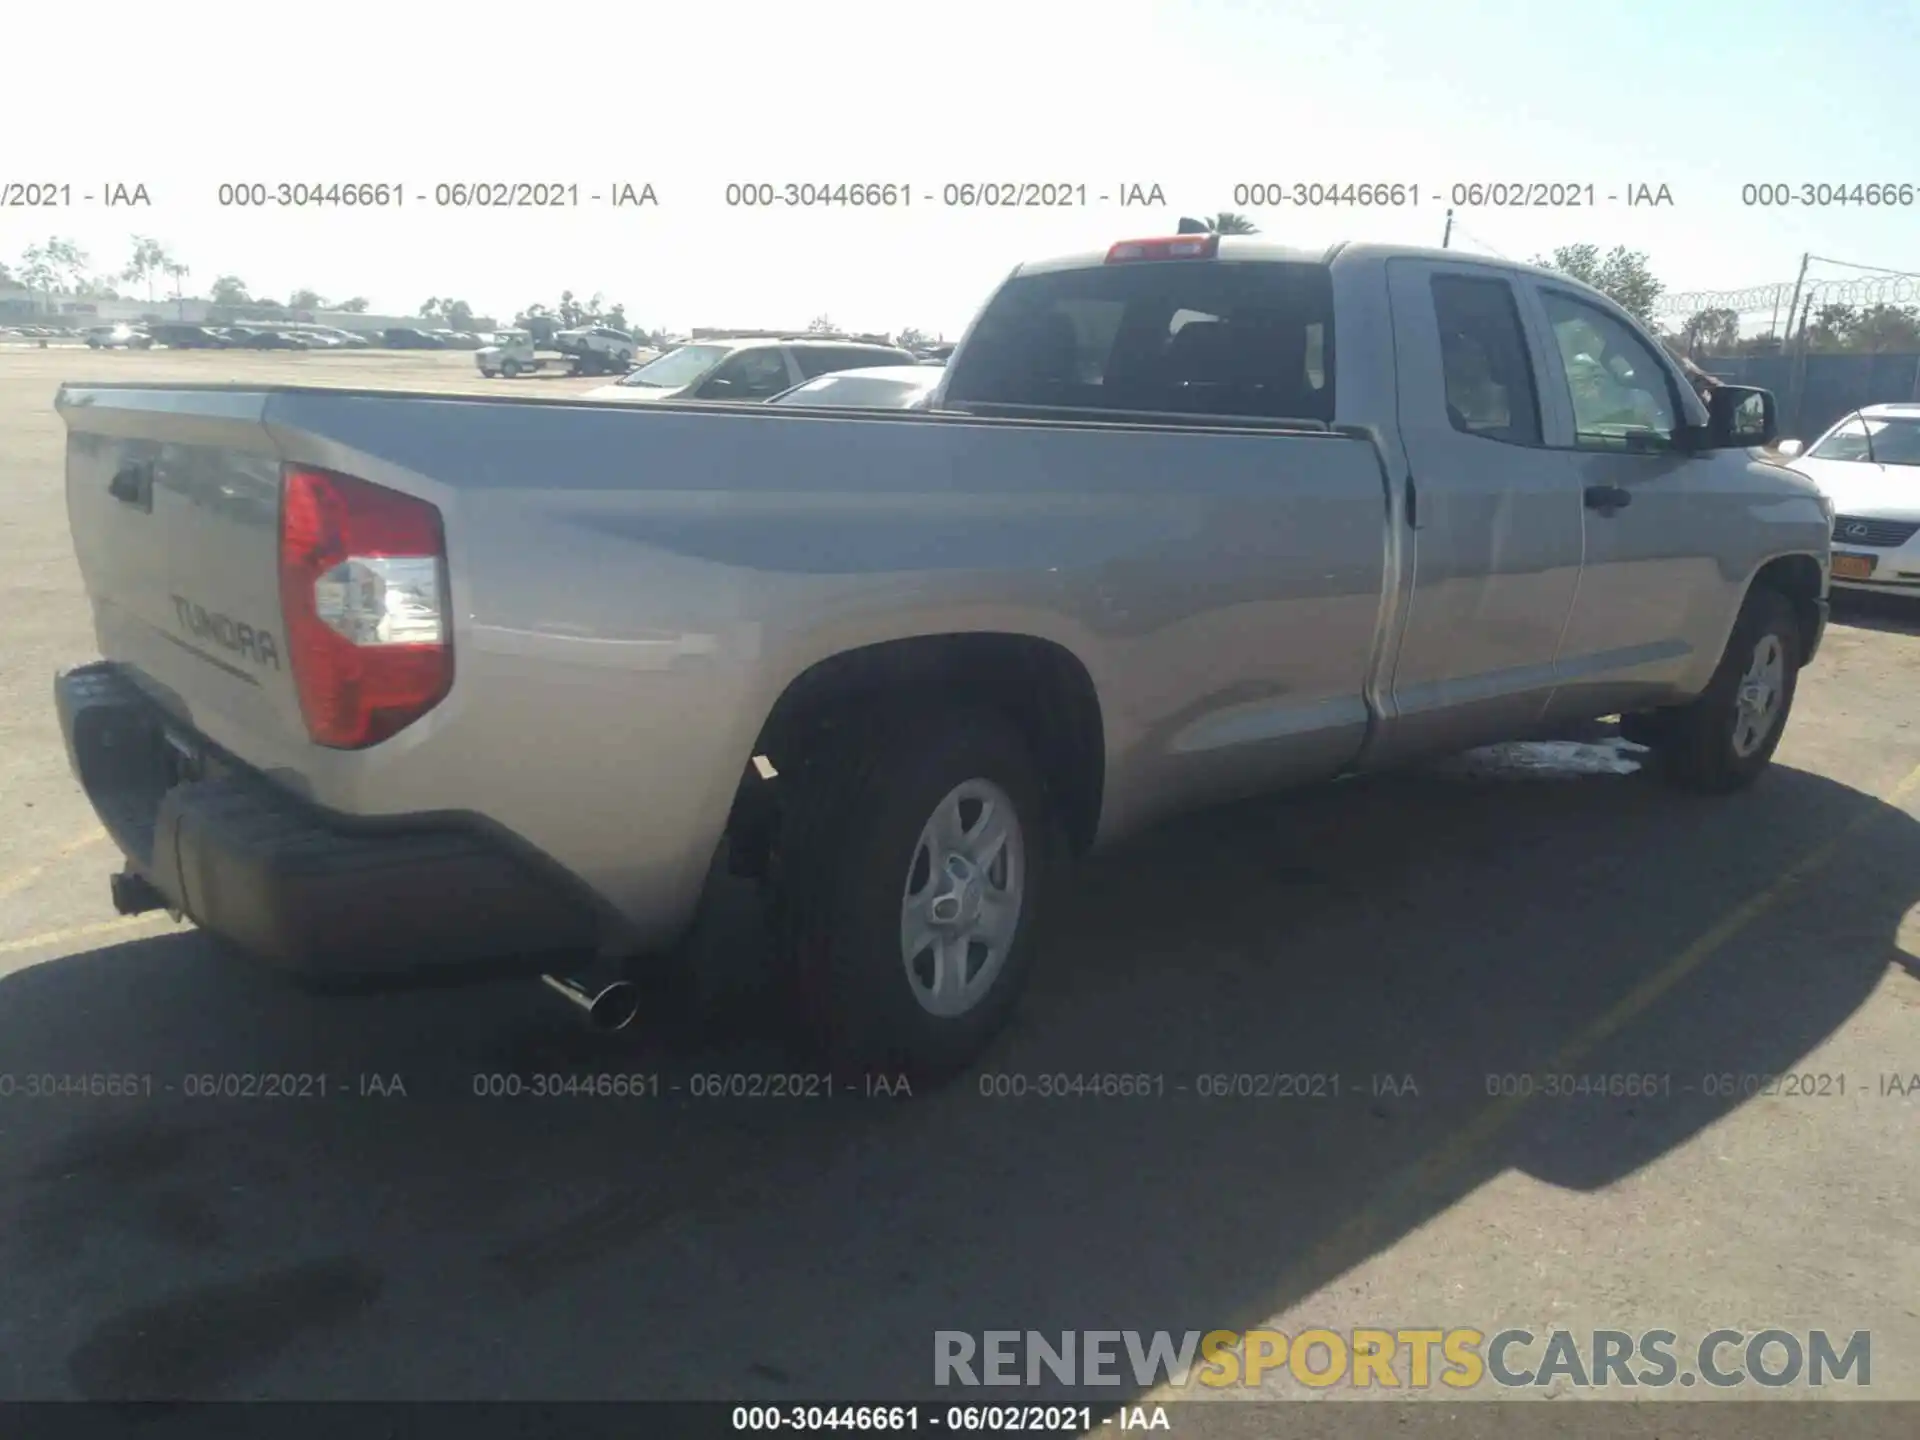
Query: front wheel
point(912, 862)
point(1726, 737)
point(510, 368)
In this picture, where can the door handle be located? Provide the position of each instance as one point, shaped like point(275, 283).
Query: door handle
point(1608, 498)
point(133, 485)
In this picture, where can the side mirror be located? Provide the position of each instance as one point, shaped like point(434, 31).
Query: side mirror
point(1790, 449)
point(1739, 417)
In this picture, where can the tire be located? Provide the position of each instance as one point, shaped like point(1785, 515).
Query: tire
point(510, 368)
point(853, 848)
point(1724, 739)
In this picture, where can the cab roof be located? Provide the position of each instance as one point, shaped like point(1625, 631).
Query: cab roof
point(1254, 248)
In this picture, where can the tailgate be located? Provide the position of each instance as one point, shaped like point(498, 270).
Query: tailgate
point(173, 498)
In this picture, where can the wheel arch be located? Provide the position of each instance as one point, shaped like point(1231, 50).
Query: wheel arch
point(1041, 685)
point(1801, 580)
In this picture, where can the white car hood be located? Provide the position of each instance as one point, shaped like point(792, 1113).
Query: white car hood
point(634, 394)
point(1876, 492)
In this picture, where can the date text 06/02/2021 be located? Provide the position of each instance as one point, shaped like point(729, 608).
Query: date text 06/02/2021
point(958, 1419)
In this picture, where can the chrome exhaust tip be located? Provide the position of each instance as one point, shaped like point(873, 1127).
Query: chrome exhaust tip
point(609, 1007)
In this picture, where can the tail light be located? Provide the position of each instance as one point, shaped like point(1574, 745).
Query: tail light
point(1172, 247)
point(363, 593)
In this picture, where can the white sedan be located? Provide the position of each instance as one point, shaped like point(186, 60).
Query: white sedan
point(878, 387)
point(1869, 467)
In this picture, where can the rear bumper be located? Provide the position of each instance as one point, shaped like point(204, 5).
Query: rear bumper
point(312, 893)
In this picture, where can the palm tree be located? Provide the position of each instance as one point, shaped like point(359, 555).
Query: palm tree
point(150, 258)
point(1228, 222)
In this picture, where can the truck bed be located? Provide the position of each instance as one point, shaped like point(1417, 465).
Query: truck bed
point(634, 587)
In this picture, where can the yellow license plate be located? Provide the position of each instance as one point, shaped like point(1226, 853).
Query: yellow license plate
point(1852, 567)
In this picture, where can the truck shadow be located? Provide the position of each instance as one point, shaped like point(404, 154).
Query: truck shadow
point(1866, 610)
point(1407, 944)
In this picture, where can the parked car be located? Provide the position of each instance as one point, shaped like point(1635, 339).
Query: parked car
point(1868, 465)
point(531, 689)
point(186, 337)
point(884, 387)
point(249, 338)
point(333, 337)
point(117, 337)
point(743, 369)
point(403, 337)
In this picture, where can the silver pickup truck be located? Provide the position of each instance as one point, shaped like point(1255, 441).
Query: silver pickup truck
point(398, 681)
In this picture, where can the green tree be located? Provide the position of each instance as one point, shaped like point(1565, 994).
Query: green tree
point(1832, 328)
point(1230, 222)
point(177, 273)
point(38, 272)
point(150, 258)
point(229, 290)
point(1887, 329)
point(454, 314)
point(306, 300)
point(910, 338)
point(69, 261)
point(538, 321)
point(1621, 275)
point(1714, 331)
point(821, 325)
point(356, 306)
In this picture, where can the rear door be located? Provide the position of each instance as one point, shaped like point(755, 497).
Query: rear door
point(1497, 513)
point(173, 500)
point(1241, 629)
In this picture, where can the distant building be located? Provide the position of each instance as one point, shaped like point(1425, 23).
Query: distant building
point(20, 306)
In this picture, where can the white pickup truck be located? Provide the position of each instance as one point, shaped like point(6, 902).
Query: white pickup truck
point(402, 682)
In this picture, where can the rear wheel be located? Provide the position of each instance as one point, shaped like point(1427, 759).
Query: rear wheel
point(912, 861)
point(1725, 738)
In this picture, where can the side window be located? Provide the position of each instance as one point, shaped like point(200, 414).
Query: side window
point(1623, 398)
point(850, 359)
point(813, 360)
point(753, 375)
point(831, 360)
point(1487, 367)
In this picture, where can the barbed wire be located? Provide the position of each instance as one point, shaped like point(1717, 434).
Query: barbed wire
point(1888, 289)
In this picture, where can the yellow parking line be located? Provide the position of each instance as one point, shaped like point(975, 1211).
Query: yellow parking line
point(21, 878)
point(80, 932)
point(1353, 1241)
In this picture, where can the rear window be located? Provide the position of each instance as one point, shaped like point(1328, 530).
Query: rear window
point(816, 360)
point(1186, 337)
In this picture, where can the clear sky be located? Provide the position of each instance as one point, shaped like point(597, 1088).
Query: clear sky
point(1195, 96)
